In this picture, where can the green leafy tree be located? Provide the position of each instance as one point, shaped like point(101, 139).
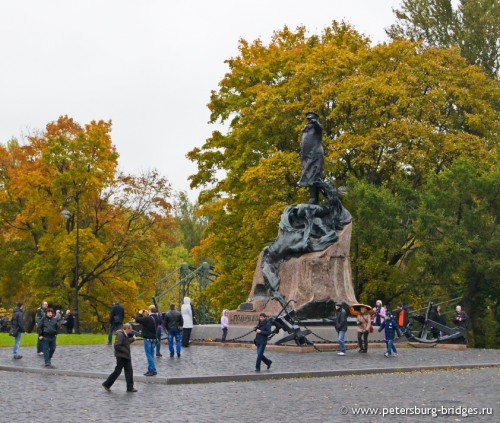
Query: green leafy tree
point(473, 26)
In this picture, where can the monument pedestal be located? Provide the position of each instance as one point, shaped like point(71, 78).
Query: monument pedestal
point(315, 281)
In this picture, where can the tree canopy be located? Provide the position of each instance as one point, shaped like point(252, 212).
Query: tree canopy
point(394, 115)
point(122, 221)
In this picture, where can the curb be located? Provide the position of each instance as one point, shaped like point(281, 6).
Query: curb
point(253, 376)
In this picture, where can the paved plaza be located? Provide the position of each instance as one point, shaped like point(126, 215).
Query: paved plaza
point(215, 383)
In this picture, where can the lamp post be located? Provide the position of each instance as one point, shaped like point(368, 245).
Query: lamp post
point(67, 214)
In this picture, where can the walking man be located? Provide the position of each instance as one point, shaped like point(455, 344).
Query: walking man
point(18, 325)
point(173, 322)
point(123, 359)
point(262, 330)
point(39, 315)
point(341, 327)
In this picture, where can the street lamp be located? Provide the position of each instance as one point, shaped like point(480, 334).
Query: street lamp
point(66, 214)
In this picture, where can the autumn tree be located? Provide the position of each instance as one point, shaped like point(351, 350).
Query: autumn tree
point(473, 26)
point(121, 219)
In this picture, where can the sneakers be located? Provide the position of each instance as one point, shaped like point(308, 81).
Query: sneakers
point(150, 374)
point(257, 370)
point(132, 390)
point(387, 355)
point(395, 354)
point(18, 357)
point(49, 366)
point(40, 353)
point(159, 355)
point(269, 365)
point(341, 353)
point(107, 388)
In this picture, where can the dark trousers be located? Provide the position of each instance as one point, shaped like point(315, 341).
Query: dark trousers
point(121, 363)
point(186, 336)
point(363, 340)
point(48, 346)
point(224, 334)
point(261, 357)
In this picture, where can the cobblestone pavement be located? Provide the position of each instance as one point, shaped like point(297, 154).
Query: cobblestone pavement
point(34, 397)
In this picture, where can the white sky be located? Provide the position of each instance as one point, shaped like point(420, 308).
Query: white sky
point(149, 65)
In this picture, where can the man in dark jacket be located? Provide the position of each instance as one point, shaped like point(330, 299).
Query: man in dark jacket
point(47, 333)
point(341, 327)
point(173, 323)
point(116, 316)
point(18, 325)
point(39, 315)
point(149, 323)
point(262, 330)
point(123, 359)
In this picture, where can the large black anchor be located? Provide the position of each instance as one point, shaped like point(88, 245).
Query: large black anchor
point(284, 320)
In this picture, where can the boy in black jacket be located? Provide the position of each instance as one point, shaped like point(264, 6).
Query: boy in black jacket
point(263, 330)
point(47, 332)
point(123, 359)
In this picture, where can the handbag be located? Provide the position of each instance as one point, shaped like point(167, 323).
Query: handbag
point(371, 329)
point(13, 332)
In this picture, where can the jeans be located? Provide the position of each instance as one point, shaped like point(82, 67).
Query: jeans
point(49, 346)
point(158, 337)
point(174, 333)
point(17, 341)
point(224, 334)
point(121, 363)
point(149, 349)
point(261, 357)
point(391, 347)
point(113, 327)
point(342, 340)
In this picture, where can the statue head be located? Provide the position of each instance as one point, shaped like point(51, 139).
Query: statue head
point(312, 115)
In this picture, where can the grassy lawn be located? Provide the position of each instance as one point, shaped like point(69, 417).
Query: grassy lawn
point(29, 339)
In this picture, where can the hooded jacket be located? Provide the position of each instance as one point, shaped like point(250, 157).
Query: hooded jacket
point(122, 345)
point(17, 319)
point(187, 313)
point(224, 320)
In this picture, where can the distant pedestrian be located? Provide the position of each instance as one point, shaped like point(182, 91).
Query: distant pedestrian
point(70, 321)
point(262, 330)
point(149, 323)
point(58, 317)
point(341, 327)
point(159, 322)
point(461, 319)
point(391, 328)
point(47, 333)
point(379, 313)
point(116, 316)
point(437, 316)
point(187, 316)
point(402, 317)
point(173, 322)
point(364, 325)
point(224, 324)
point(123, 340)
point(18, 326)
point(39, 315)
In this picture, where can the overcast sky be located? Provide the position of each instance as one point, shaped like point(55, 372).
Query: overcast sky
point(148, 65)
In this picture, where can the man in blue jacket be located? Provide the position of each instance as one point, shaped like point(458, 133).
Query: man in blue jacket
point(263, 330)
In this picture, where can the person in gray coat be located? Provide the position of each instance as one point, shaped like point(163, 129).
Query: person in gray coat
point(18, 325)
point(123, 359)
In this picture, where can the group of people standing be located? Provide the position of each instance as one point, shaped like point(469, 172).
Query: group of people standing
point(391, 323)
point(176, 324)
point(48, 325)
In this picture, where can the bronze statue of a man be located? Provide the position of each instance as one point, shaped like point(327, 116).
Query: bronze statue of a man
point(312, 155)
